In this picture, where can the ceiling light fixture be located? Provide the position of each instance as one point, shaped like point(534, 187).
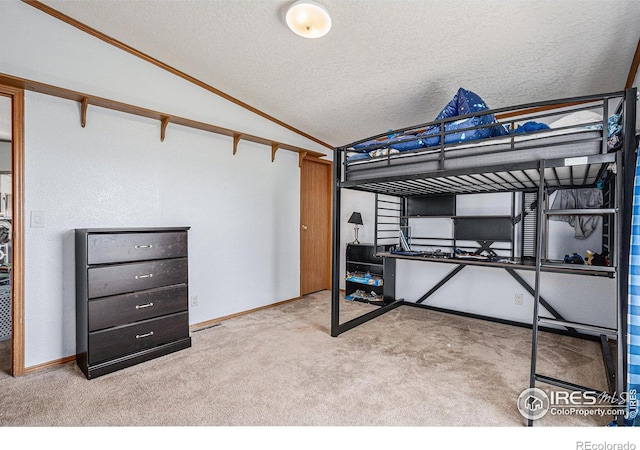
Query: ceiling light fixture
point(308, 19)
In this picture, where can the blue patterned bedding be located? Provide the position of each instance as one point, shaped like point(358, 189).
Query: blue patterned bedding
point(464, 102)
point(474, 128)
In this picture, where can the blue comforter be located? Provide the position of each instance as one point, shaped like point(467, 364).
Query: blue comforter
point(464, 102)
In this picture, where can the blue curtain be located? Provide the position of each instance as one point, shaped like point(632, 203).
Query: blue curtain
point(633, 336)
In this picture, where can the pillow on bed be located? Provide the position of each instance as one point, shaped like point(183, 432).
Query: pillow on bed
point(577, 118)
point(531, 126)
point(463, 102)
point(382, 152)
point(358, 156)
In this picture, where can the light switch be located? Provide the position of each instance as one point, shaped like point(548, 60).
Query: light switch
point(37, 219)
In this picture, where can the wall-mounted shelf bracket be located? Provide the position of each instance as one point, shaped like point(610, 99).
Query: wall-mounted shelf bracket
point(163, 129)
point(83, 112)
point(236, 140)
point(84, 100)
point(301, 157)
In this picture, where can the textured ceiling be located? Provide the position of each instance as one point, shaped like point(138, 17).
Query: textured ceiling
point(385, 63)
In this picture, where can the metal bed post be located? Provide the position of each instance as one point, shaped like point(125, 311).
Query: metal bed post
point(605, 117)
point(618, 258)
point(625, 195)
point(375, 224)
point(536, 298)
point(513, 228)
point(335, 256)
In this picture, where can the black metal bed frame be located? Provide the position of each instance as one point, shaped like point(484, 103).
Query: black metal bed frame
point(536, 178)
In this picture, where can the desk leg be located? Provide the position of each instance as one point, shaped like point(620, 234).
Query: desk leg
point(389, 283)
point(441, 283)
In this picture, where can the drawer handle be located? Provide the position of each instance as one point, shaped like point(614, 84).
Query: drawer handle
point(149, 275)
point(140, 336)
point(145, 246)
point(146, 305)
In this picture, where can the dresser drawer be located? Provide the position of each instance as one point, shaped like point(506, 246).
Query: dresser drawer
point(109, 312)
point(131, 277)
point(120, 341)
point(126, 247)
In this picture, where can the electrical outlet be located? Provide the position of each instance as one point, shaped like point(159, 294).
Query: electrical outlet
point(519, 300)
point(37, 219)
point(194, 300)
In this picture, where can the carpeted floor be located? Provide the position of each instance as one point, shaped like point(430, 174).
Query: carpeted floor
point(280, 367)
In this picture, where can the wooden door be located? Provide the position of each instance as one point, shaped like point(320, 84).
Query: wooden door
point(17, 233)
point(315, 225)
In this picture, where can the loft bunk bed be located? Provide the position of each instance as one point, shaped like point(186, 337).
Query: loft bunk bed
point(529, 152)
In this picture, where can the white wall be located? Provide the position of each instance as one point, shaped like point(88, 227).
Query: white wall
point(243, 210)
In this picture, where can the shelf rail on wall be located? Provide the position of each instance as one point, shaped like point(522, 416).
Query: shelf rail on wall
point(86, 100)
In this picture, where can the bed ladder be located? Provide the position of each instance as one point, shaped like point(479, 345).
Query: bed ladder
point(616, 382)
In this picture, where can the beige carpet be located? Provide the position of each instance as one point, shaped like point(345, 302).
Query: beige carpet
point(280, 367)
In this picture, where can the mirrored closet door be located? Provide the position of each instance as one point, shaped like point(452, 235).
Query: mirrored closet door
point(5, 235)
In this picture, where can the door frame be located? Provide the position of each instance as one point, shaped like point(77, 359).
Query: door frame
point(328, 215)
point(17, 229)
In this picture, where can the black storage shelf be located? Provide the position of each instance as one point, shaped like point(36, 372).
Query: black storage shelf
point(362, 258)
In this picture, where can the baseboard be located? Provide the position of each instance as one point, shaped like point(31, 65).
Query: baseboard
point(49, 364)
point(209, 323)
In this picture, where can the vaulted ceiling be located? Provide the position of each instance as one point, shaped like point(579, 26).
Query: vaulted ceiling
point(385, 63)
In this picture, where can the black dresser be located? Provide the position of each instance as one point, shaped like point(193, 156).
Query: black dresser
point(132, 296)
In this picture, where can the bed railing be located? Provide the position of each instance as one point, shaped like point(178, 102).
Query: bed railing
point(508, 117)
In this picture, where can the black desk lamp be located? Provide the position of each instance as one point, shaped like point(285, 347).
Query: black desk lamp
point(356, 219)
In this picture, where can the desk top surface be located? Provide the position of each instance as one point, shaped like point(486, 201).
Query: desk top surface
point(507, 263)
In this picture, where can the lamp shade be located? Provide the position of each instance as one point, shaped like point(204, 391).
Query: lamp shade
point(356, 218)
point(308, 19)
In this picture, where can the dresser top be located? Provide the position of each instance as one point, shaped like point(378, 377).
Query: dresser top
point(130, 230)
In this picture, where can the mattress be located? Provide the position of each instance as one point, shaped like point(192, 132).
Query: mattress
point(478, 156)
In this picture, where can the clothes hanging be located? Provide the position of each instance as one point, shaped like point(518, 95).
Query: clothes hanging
point(578, 199)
